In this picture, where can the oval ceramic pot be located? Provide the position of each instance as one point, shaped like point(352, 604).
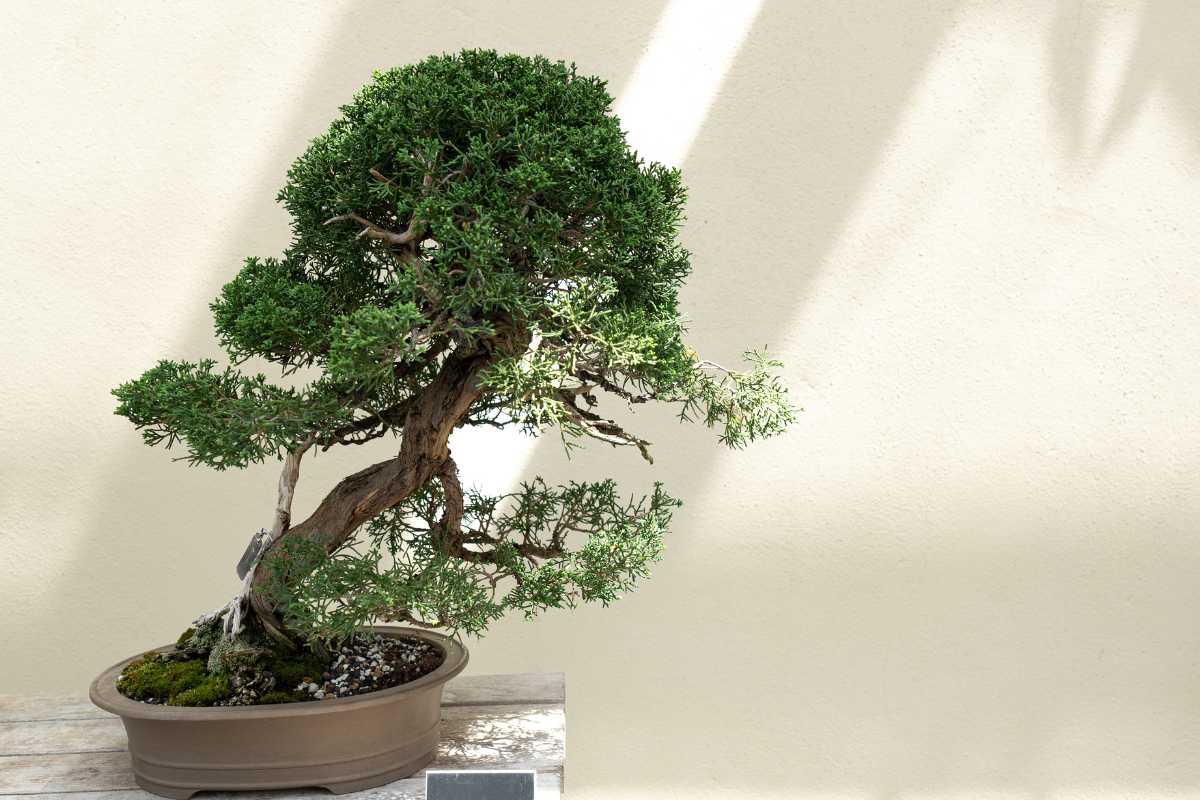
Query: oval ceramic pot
point(345, 744)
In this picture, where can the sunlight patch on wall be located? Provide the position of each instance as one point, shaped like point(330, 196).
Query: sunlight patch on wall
point(662, 109)
point(678, 76)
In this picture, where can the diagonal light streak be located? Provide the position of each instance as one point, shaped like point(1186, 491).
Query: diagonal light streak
point(673, 87)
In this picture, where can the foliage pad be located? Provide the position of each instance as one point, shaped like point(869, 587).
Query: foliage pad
point(473, 230)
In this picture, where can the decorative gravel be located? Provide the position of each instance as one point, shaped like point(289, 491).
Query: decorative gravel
point(369, 666)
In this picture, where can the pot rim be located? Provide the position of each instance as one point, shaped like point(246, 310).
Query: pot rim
point(104, 691)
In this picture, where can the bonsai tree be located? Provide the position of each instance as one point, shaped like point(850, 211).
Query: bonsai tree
point(474, 243)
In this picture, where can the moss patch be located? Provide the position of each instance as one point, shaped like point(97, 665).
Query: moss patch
point(278, 696)
point(292, 669)
point(187, 682)
point(185, 638)
point(212, 689)
point(172, 682)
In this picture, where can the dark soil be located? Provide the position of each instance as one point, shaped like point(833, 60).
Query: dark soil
point(373, 665)
point(362, 666)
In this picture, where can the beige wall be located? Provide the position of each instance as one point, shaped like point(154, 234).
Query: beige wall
point(969, 228)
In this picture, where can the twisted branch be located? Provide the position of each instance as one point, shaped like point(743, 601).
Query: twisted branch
point(413, 233)
point(604, 430)
point(450, 538)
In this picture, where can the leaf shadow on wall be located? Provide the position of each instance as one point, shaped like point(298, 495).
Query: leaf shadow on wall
point(794, 642)
point(192, 524)
point(887, 669)
point(1163, 60)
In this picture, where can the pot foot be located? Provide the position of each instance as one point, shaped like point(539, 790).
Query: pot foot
point(400, 772)
point(173, 792)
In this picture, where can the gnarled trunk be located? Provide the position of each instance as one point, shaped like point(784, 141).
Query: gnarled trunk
point(424, 448)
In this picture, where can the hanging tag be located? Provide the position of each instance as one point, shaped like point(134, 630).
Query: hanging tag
point(258, 543)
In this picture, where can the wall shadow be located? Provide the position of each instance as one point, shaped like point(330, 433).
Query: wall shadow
point(907, 663)
point(1163, 60)
point(866, 648)
point(193, 524)
point(803, 118)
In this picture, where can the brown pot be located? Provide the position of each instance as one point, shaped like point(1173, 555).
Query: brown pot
point(344, 745)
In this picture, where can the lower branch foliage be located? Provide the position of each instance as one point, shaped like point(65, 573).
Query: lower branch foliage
point(528, 551)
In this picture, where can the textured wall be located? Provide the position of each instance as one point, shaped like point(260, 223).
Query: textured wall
point(970, 229)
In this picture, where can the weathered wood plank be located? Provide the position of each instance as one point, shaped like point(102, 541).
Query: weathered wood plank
point(62, 736)
point(549, 787)
point(539, 725)
point(523, 688)
point(27, 708)
point(514, 737)
point(65, 772)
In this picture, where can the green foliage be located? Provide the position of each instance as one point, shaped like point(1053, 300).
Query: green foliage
point(367, 344)
point(530, 563)
point(472, 203)
point(623, 541)
point(529, 384)
point(274, 310)
point(228, 419)
point(524, 207)
point(328, 597)
point(748, 405)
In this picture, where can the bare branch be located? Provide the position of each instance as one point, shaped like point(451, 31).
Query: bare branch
point(713, 366)
point(479, 422)
point(288, 477)
point(368, 428)
point(379, 176)
point(605, 430)
point(597, 378)
point(415, 230)
point(404, 615)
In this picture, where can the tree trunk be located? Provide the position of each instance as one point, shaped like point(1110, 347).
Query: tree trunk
point(439, 409)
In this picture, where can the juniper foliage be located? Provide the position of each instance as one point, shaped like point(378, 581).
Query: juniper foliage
point(470, 206)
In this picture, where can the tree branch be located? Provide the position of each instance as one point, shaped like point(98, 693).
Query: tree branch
point(414, 232)
point(450, 536)
point(605, 430)
point(598, 378)
point(289, 476)
point(368, 428)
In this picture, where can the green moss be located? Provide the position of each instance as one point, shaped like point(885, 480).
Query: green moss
point(150, 677)
point(208, 633)
point(187, 677)
point(209, 691)
point(176, 683)
point(231, 655)
point(278, 696)
point(185, 637)
point(291, 669)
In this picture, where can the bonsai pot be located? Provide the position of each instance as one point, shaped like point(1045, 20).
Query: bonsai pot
point(344, 744)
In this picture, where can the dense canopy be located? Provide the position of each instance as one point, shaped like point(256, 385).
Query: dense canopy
point(474, 243)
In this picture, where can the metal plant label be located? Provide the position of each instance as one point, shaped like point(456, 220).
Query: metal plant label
point(480, 785)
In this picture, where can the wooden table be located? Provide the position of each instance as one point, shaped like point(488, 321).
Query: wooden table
point(66, 748)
